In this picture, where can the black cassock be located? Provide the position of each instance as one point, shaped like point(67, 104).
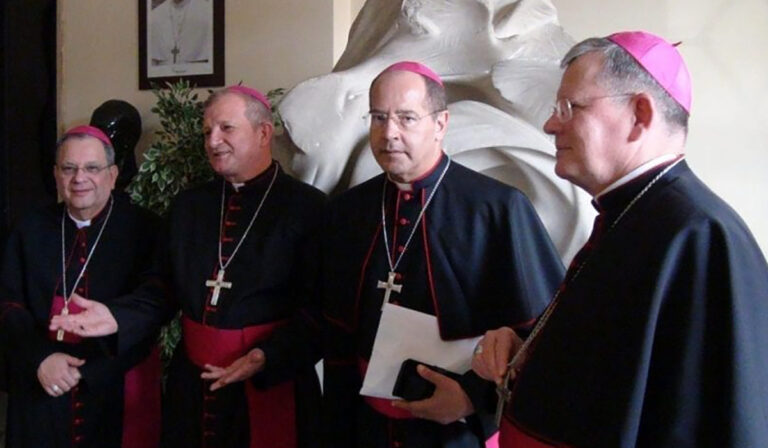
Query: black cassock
point(271, 274)
point(661, 340)
point(91, 415)
point(480, 259)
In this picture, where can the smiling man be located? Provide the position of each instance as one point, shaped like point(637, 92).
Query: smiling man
point(429, 236)
point(658, 335)
point(64, 390)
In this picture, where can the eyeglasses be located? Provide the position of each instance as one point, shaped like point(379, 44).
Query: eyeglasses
point(89, 170)
point(403, 120)
point(563, 108)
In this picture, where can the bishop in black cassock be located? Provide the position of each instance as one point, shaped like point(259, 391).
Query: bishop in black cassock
point(659, 333)
point(270, 284)
point(478, 257)
point(122, 240)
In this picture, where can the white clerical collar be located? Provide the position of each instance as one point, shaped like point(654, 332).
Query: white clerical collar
point(237, 185)
point(639, 171)
point(403, 187)
point(79, 223)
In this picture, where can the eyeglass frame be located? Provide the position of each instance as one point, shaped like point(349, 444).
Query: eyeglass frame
point(398, 118)
point(88, 169)
point(566, 104)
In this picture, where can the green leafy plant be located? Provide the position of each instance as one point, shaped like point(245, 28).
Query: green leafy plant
point(177, 161)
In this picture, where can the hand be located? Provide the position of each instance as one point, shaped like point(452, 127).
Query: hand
point(58, 373)
point(94, 320)
point(243, 368)
point(494, 351)
point(448, 404)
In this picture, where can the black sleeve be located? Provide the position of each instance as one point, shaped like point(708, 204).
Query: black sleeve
point(296, 347)
point(142, 312)
point(26, 345)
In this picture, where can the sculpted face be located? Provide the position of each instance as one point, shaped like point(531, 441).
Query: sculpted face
point(591, 146)
point(406, 137)
point(84, 179)
point(237, 150)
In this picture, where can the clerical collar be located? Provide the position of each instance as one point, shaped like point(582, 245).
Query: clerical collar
point(622, 191)
point(260, 181)
point(637, 172)
point(401, 186)
point(427, 179)
point(80, 224)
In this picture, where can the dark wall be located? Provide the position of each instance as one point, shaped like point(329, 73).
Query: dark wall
point(28, 102)
point(28, 105)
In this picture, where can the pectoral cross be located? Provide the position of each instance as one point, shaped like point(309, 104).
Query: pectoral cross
point(175, 52)
point(217, 285)
point(388, 287)
point(60, 333)
point(502, 390)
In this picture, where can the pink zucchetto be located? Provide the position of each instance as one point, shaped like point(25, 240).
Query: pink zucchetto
point(253, 93)
point(414, 67)
point(661, 60)
point(92, 131)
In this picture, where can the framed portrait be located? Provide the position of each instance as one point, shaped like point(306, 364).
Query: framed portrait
point(181, 39)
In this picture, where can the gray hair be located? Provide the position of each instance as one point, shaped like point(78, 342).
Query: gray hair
point(623, 74)
point(255, 111)
point(109, 151)
point(436, 99)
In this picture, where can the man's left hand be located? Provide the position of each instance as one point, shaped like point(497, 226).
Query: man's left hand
point(243, 368)
point(448, 404)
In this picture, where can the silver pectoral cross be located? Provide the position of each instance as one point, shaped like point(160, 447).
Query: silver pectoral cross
point(60, 333)
point(388, 287)
point(217, 285)
point(502, 390)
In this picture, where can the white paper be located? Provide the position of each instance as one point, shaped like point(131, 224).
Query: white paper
point(404, 334)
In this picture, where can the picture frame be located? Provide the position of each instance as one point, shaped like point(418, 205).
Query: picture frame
point(181, 40)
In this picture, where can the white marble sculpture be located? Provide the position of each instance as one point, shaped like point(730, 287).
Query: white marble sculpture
point(499, 60)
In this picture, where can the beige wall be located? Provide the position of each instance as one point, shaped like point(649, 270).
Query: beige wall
point(724, 47)
point(269, 43)
point(274, 43)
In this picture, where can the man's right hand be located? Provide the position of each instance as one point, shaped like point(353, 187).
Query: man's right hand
point(494, 351)
point(94, 320)
point(58, 373)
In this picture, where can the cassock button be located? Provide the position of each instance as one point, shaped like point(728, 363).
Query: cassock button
point(82, 244)
point(82, 259)
point(78, 421)
point(397, 444)
point(398, 276)
point(404, 222)
point(401, 248)
point(407, 196)
point(79, 405)
point(78, 439)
